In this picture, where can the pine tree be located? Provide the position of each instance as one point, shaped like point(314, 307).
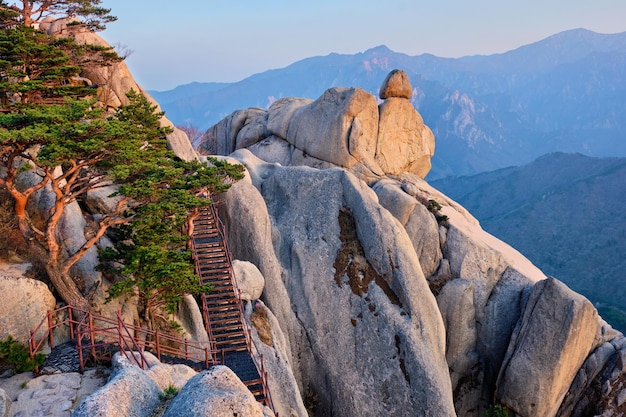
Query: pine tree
point(87, 13)
point(50, 126)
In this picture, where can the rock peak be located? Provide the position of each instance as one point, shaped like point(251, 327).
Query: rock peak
point(396, 84)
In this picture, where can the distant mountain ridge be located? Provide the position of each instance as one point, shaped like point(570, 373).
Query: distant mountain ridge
point(564, 93)
point(565, 212)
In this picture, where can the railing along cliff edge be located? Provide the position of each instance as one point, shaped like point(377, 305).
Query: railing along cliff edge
point(95, 333)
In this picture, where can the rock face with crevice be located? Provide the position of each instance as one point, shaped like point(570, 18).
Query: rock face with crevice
point(356, 298)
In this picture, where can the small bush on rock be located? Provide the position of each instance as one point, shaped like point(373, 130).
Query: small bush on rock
point(169, 393)
point(18, 356)
point(434, 207)
point(496, 411)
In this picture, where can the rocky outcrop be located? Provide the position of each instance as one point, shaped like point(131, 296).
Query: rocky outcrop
point(317, 237)
point(48, 395)
point(347, 134)
point(132, 391)
point(599, 387)
point(240, 129)
point(216, 392)
point(340, 252)
point(404, 143)
point(115, 81)
point(557, 326)
point(345, 127)
point(271, 348)
point(129, 392)
point(24, 302)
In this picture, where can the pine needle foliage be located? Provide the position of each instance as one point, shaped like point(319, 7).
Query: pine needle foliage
point(50, 126)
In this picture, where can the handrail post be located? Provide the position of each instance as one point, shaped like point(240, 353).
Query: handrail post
point(92, 338)
point(70, 322)
point(31, 343)
point(119, 335)
point(50, 335)
point(158, 346)
point(79, 347)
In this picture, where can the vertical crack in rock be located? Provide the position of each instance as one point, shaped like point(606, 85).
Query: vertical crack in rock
point(352, 263)
point(401, 361)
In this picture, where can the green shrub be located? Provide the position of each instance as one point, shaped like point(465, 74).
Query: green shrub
point(496, 411)
point(434, 208)
point(17, 355)
point(169, 393)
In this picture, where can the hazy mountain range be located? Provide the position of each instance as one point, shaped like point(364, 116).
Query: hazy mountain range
point(564, 93)
point(565, 212)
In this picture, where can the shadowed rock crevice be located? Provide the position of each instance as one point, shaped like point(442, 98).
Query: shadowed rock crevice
point(351, 263)
point(401, 360)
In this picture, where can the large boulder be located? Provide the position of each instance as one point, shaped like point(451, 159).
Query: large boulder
point(249, 279)
point(24, 304)
point(178, 142)
point(600, 383)
point(555, 335)
point(340, 127)
point(456, 303)
point(397, 84)
point(130, 392)
point(254, 130)
point(419, 223)
point(241, 128)
point(405, 143)
point(344, 127)
point(217, 393)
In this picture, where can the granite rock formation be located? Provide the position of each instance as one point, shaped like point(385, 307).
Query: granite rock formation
point(357, 256)
point(345, 127)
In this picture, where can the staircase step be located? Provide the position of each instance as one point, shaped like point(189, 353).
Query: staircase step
point(210, 255)
point(218, 284)
point(222, 276)
point(221, 301)
point(231, 337)
point(222, 307)
point(232, 344)
point(219, 295)
point(224, 317)
point(220, 328)
point(225, 322)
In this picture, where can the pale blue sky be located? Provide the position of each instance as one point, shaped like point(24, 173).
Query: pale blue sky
point(228, 40)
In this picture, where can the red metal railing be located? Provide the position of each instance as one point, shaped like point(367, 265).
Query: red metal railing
point(95, 333)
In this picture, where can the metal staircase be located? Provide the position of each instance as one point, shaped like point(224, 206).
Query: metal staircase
point(222, 306)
